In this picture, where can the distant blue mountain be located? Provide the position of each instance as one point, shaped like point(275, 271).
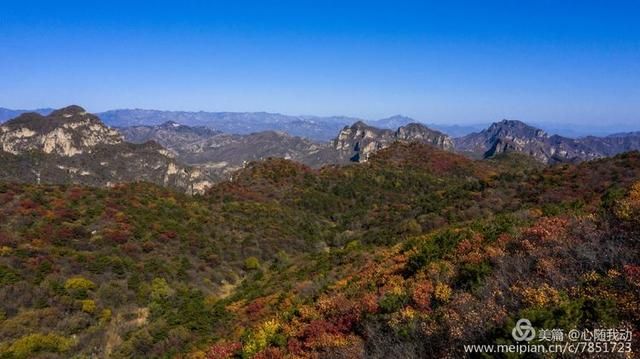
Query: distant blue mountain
point(313, 127)
point(318, 128)
point(458, 130)
point(242, 123)
point(397, 121)
point(7, 114)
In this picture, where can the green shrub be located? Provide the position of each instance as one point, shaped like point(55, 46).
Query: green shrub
point(262, 337)
point(32, 344)
point(251, 263)
point(393, 302)
point(79, 287)
point(160, 290)
point(88, 306)
point(8, 276)
point(471, 275)
point(434, 248)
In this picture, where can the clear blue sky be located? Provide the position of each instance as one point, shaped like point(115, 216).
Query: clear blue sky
point(437, 61)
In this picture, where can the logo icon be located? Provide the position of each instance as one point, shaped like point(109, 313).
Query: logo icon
point(523, 331)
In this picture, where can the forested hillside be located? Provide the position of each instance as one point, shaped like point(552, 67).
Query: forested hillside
point(410, 254)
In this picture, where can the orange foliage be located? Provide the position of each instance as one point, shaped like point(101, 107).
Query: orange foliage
point(223, 350)
point(547, 228)
point(369, 303)
point(270, 353)
point(632, 273)
point(421, 295)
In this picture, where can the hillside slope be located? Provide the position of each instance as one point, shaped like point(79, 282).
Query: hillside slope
point(379, 259)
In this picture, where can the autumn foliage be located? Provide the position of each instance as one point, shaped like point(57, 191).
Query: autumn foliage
point(412, 254)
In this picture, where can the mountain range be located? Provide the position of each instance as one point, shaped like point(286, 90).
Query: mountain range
point(356, 142)
point(169, 240)
point(317, 128)
point(7, 114)
point(220, 154)
point(516, 136)
point(70, 145)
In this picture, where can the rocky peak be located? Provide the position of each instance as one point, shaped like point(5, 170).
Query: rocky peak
point(362, 130)
point(170, 125)
point(358, 141)
point(73, 146)
point(516, 136)
point(393, 122)
point(66, 132)
point(362, 139)
point(415, 132)
point(515, 129)
point(69, 111)
point(359, 125)
point(399, 118)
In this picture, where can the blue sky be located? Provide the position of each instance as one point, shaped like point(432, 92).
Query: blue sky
point(445, 62)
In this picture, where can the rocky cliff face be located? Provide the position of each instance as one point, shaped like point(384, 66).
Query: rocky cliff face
point(357, 142)
point(516, 136)
point(221, 154)
point(613, 144)
point(415, 132)
point(66, 132)
point(73, 146)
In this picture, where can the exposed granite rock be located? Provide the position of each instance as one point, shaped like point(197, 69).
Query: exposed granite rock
point(358, 141)
point(73, 146)
point(66, 132)
point(516, 136)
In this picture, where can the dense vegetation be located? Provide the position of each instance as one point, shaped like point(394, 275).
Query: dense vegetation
point(409, 255)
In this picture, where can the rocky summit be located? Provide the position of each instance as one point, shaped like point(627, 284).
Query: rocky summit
point(358, 141)
point(516, 136)
point(72, 146)
point(66, 132)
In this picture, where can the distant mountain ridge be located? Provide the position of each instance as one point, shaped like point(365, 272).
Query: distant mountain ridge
point(613, 144)
point(200, 154)
point(358, 141)
point(318, 128)
point(7, 114)
point(516, 136)
point(220, 154)
point(170, 134)
point(72, 146)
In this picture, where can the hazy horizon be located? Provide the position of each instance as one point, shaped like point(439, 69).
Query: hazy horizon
point(559, 128)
